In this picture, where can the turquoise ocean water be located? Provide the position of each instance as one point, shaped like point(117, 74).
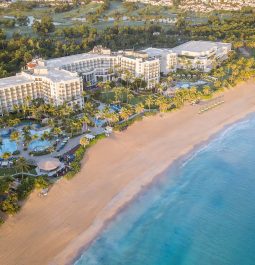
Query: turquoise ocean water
point(202, 212)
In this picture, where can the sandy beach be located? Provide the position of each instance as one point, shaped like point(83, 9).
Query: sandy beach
point(54, 229)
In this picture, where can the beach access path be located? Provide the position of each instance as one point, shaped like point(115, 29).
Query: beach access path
point(52, 230)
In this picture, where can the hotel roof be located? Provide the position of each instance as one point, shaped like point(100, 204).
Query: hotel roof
point(57, 75)
point(154, 52)
point(197, 46)
point(58, 62)
point(14, 81)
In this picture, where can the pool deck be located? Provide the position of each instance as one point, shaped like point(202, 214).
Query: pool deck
point(69, 146)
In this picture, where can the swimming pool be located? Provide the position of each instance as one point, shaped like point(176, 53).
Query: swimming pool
point(98, 122)
point(36, 145)
point(39, 145)
point(8, 146)
point(115, 108)
point(186, 85)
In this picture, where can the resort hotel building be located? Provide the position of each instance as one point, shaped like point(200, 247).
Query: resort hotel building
point(200, 55)
point(62, 80)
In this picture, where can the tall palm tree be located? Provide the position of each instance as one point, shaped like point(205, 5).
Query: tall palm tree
point(206, 90)
point(130, 96)
point(22, 165)
point(139, 108)
point(159, 88)
point(117, 94)
point(57, 131)
point(15, 135)
point(107, 88)
point(84, 141)
point(125, 113)
point(162, 103)
point(113, 117)
point(149, 101)
point(85, 120)
point(26, 135)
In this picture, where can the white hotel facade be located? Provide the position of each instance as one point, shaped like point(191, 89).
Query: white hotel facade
point(62, 80)
point(200, 55)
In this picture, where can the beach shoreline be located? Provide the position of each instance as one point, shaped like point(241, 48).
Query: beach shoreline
point(144, 187)
point(133, 162)
point(86, 239)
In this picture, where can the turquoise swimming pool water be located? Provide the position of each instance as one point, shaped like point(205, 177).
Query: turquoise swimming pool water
point(7, 146)
point(202, 212)
point(36, 145)
point(39, 145)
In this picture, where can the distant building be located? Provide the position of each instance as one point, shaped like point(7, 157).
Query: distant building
point(201, 55)
point(154, 2)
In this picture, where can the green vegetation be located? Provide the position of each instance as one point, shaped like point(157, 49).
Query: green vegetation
point(79, 154)
point(124, 125)
point(9, 171)
point(11, 204)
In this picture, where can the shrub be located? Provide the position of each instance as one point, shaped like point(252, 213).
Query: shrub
point(10, 205)
point(69, 175)
point(150, 113)
point(124, 125)
point(79, 153)
point(25, 187)
point(41, 183)
point(76, 166)
point(15, 153)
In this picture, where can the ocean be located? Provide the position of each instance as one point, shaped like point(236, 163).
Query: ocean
point(199, 212)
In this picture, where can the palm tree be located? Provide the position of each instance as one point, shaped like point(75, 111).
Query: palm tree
point(113, 117)
point(159, 88)
point(6, 155)
point(117, 93)
point(89, 108)
point(45, 136)
point(107, 88)
point(27, 136)
point(128, 76)
point(139, 108)
point(57, 131)
point(206, 90)
point(125, 113)
point(84, 141)
point(13, 122)
point(35, 136)
point(149, 101)
point(25, 106)
point(162, 103)
point(22, 165)
point(169, 79)
point(129, 97)
point(15, 136)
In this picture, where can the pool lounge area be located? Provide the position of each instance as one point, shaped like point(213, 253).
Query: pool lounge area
point(39, 145)
point(186, 84)
point(10, 146)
